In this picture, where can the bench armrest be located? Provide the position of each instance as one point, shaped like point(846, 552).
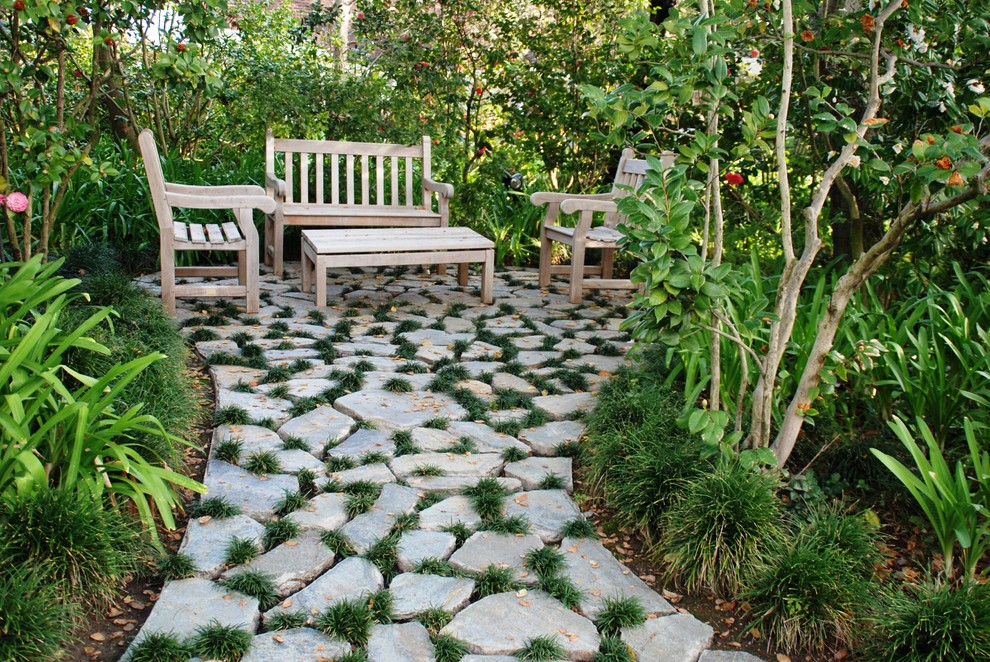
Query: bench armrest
point(275, 185)
point(220, 200)
point(233, 190)
point(571, 205)
point(443, 190)
point(544, 197)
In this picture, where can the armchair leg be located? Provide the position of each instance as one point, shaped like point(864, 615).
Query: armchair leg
point(546, 253)
point(278, 235)
point(577, 272)
point(608, 262)
point(269, 231)
point(249, 260)
point(168, 277)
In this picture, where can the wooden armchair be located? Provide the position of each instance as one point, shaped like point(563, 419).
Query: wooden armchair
point(629, 173)
point(241, 236)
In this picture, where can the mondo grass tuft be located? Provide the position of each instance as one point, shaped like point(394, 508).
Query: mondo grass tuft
point(350, 620)
point(161, 647)
point(228, 450)
point(545, 562)
point(618, 613)
point(397, 385)
point(221, 642)
point(36, 616)
point(448, 649)
point(425, 470)
point(934, 621)
point(256, 584)
point(613, 649)
point(434, 619)
point(358, 655)
point(567, 449)
point(434, 566)
point(359, 504)
point(384, 554)
point(268, 422)
point(579, 527)
point(561, 588)
point(374, 458)
point(721, 526)
point(336, 463)
point(240, 551)
point(176, 566)
point(292, 443)
point(216, 507)
point(437, 423)
point(278, 531)
point(276, 374)
point(464, 446)
point(459, 530)
point(552, 481)
point(406, 522)
point(306, 480)
point(338, 543)
point(494, 579)
point(286, 621)
point(303, 406)
point(515, 525)
point(542, 649)
point(380, 604)
point(429, 499)
point(404, 444)
point(514, 454)
point(265, 462)
point(87, 547)
point(289, 503)
point(231, 415)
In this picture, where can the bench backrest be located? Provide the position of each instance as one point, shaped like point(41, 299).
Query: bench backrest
point(156, 182)
point(351, 173)
point(630, 173)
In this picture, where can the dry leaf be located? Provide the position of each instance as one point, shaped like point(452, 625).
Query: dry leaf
point(98, 636)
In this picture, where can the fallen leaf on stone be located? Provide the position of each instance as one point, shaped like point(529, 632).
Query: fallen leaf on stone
point(522, 593)
point(524, 603)
point(204, 519)
point(287, 603)
point(278, 639)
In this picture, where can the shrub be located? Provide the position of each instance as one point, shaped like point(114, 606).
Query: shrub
point(88, 550)
point(935, 621)
point(36, 618)
point(720, 526)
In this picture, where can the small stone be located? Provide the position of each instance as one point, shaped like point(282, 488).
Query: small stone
point(297, 645)
point(400, 642)
point(480, 389)
point(415, 546)
point(486, 548)
point(414, 593)
point(677, 638)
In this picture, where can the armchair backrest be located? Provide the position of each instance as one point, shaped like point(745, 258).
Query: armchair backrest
point(351, 173)
point(156, 180)
point(630, 173)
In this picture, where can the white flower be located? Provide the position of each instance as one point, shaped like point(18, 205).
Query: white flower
point(915, 34)
point(898, 148)
point(854, 161)
point(975, 86)
point(776, 5)
point(750, 67)
point(922, 48)
point(941, 106)
point(884, 180)
point(949, 89)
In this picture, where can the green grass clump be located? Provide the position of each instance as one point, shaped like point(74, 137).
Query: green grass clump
point(429, 499)
point(268, 422)
point(359, 503)
point(579, 527)
point(36, 616)
point(561, 588)
point(265, 462)
point(404, 444)
point(434, 619)
point(278, 531)
point(358, 655)
point(289, 503)
point(374, 458)
point(228, 450)
point(543, 649)
point(567, 449)
point(303, 406)
point(299, 365)
point(933, 622)
point(613, 649)
point(349, 381)
point(335, 463)
point(286, 621)
point(405, 350)
point(495, 580)
point(424, 470)
point(514, 454)
point(216, 507)
point(258, 585)
point(350, 620)
point(221, 642)
point(545, 562)
point(552, 481)
point(459, 530)
point(477, 408)
point(161, 647)
point(516, 525)
point(811, 590)
point(202, 335)
point(337, 542)
point(721, 526)
point(242, 387)
point(240, 550)
point(406, 522)
point(434, 566)
point(464, 446)
point(231, 415)
point(380, 604)
point(618, 613)
point(292, 443)
point(437, 423)
point(384, 554)
point(397, 385)
point(448, 649)
point(175, 566)
point(276, 374)
point(85, 546)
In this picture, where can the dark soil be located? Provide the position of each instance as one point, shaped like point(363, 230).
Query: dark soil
point(104, 636)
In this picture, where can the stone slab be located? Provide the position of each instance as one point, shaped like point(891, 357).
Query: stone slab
point(364, 442)
point(486, 548)
point(719, 656)
point(455, 484)
point(255, 495)
point(352, 578)
point(547, 511)
point(502, 624)
point(187, 604)
point(379, 474)
point(413, 593)
point(293, 564)
point(559, 407)
point(545, 439)
point(415, 546)
point(322, 512)
point(676, 638)
point(318, 427)
point(479, 465)
point(431, 440)
point(365, 530)
point(399, 411)
point(253, 438)
point(599, 575)
point(400, 642)
point(257, 406)
point(304, 387)
point(206, 540)
point(485, 439)
point(296, 645)
point(448, 512)
point(533, 470)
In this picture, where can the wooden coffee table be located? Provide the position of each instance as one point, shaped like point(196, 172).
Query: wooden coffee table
point(389, 247)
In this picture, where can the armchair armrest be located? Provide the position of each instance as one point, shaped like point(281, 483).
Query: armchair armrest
point(543, 197)
point(276, 185)
point(571, 205)
point(220, 200)
point(441, 189)
point(234, 190)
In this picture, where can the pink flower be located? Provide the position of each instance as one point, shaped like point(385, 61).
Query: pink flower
point(360, 15)
point(733, 178)
point(2, 198)
point(17, 202)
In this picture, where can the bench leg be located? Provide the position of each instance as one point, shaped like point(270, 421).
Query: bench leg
point(307, 271)
point(577, 272)
point(462, 273)
point(546, 253)
point(269, 231)
point(608, 261)
point(488, 278)
point(168, 277)
point(441, 269)
point(320, 274)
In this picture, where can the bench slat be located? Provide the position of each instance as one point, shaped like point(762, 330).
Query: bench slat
point(180, 231)
point(425, 240)
point(380, 180)
point(213, 234)
point(334, 179)
point(350, 179)
point(409, 182)
point(196, 233)
point(319, 178)
point(288, 177)
point(304, 177)
point(365, 200)
point(232, 231)
point(341, 147)
point(395, 181)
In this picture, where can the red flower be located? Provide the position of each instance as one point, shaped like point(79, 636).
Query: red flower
point(181, 47)
point(71, 19)
point(359, 15)
point(19, 5)
point(733, 178)
point(478, 90)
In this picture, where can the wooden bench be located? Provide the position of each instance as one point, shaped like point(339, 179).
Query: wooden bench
point(375, 247)
point(348, 184)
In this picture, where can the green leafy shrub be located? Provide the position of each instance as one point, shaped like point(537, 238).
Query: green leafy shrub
point(720, 526)
point(88, 550)
point(36, 617)
point(935, 622)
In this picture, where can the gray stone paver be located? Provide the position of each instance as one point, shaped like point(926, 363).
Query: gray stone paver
point(363, 422)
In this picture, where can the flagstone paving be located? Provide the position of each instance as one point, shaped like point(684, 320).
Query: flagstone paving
point(413, 441)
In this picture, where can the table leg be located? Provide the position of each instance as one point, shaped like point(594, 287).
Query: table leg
point(462, 273)
point(488, 277)
point(320, 273)
point(307, 274)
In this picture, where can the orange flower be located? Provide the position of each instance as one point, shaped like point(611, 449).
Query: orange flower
point(944, 163)
point(807, 35)
point(955, 180)
point(955, 128)
point(868, 22)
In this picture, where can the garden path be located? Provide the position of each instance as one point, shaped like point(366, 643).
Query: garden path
point(431, 392)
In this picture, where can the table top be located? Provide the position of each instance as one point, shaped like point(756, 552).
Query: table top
point(394, 240)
